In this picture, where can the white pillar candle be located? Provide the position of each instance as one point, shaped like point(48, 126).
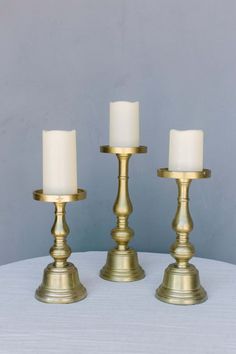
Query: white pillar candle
point(186, 150)
point(59, 162)
point(124, 124)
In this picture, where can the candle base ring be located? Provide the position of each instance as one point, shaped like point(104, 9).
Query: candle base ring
point(123, 150)
point(181, 286)
point(122, 266)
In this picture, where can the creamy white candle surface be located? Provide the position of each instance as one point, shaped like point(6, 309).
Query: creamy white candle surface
point(59, 162)
point(124, 124)
point(186, 150)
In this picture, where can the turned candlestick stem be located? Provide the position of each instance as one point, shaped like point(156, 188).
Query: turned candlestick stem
point(122, 233)
point(182, 250)
point(60, 251)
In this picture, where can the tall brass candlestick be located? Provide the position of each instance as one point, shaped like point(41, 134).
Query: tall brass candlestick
point(122, 262)
point(61, 284)
point(181, 284)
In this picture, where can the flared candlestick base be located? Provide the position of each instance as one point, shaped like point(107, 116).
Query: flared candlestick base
point(60, 285)
point(122, 266)
point(181, 286)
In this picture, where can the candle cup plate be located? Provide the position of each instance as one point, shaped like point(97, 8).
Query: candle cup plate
point(123, 150)
point(63, 198)
point(122, 262)
point(165, 173)
point(181, 283)
point(61, 283)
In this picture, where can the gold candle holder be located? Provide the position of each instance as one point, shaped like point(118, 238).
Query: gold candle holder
point(122, 262)
point(181, 283)
point(61, 284)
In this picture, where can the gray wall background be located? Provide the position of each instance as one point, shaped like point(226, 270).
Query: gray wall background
point(62, 62)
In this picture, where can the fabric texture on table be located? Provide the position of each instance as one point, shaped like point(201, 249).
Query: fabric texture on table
point(117, 318)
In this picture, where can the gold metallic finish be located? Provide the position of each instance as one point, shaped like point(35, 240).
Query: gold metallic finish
point(66, 198)
point(165, 173)
point(122, 262)
point(181, 283)
point(61, 284)
point(123, 150)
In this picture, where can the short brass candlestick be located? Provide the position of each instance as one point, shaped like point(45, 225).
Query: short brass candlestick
point(181, 284)
point(122, 262)
point(61, 284)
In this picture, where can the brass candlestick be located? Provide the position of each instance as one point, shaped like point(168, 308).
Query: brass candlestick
point(122, 261)
point(61, 284)
point(181, 284)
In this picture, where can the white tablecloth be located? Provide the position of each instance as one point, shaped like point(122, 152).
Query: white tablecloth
point(117, 317)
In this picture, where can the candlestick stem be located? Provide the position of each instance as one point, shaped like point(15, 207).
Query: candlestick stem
point(122, 233)
point(60, 251)
point(182, 250)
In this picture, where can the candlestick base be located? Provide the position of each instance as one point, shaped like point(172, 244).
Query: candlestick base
point(181, 286)
point(60, 285)
point(122, 266)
